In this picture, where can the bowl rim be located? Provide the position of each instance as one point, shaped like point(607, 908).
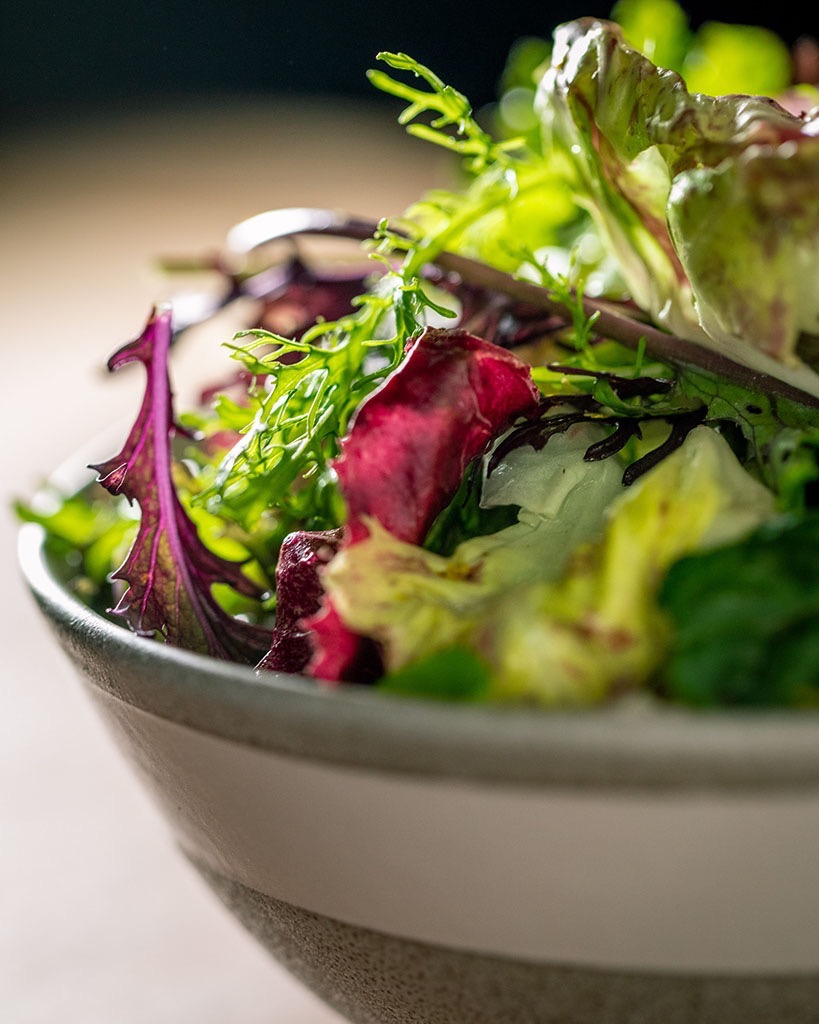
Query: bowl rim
point(632, 745)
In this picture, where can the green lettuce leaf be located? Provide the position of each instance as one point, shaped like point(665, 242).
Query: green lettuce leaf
point(412, 600)
point(455, 673)
point(710, 204)
point(745, 620)
point(599, 631)
point(564, 612)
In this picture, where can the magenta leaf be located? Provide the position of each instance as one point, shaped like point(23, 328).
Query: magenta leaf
point(169, 573)
point(298, 596)
point(406, 453)
point(412, 439)
point(337, 653)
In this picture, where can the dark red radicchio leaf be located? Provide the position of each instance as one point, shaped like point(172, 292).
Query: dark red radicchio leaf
point(169, 572)
point(299, 593)
point(403, 460)
point(410, 442)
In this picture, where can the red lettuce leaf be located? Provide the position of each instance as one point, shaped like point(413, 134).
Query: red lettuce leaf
point(406, 453)
point(411, 440)
point(299, 593)
point(169, 572)
point(337, 653)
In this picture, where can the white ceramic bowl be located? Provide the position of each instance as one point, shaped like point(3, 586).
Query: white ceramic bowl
point(424, 863)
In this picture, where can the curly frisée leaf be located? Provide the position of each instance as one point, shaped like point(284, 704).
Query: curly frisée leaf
point(453, 124)
point(169, 573)
point(312, 386)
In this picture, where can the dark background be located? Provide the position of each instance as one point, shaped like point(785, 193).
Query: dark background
point(55, 56)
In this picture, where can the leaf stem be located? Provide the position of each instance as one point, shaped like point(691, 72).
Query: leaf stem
point(612, 321)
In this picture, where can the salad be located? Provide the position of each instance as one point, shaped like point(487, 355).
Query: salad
point(550, 437)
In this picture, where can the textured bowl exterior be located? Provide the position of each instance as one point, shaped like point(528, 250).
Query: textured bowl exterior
point(374, 978)
point(418, 862)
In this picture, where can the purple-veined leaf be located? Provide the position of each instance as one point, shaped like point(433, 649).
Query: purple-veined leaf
point(169, 573)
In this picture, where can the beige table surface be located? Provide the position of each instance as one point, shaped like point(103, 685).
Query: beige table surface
point(101, 920)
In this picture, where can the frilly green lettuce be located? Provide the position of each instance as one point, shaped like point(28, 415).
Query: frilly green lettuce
point(747, 232)
point(598, 630)
point(710, 204)
point(562, 605)
point(411, 600)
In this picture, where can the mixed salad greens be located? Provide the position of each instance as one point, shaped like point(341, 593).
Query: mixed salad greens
point(552, 439)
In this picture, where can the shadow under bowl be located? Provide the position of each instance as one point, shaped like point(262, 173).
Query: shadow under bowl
point(416, 862)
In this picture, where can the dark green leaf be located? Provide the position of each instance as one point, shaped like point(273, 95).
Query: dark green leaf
point(464, 518)
point(452, 674)
point(745, 620)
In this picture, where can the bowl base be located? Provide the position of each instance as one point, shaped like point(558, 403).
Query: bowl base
point(372, 978)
